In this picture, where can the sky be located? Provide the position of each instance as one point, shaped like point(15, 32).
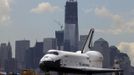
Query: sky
point(34, 20)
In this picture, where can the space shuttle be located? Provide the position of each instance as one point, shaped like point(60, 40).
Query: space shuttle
point(85, 61)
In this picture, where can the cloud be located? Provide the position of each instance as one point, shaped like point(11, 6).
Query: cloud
point(102, 11)
point(88, 10)
point(121, 25)
point(4, 10)
point(44, 7)
point(128, 48)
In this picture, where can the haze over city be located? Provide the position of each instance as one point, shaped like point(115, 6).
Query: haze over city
point(34, 20)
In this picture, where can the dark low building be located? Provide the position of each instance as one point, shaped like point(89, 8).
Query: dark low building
point(11, 66)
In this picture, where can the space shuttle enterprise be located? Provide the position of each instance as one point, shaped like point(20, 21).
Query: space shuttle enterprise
point(84, 61)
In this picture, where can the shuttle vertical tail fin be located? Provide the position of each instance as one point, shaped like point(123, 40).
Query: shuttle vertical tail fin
point(88, 41)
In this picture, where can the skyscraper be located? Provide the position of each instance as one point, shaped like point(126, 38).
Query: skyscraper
point(20, 48)
point(71, 34)
point(49, 43)
point(82, 41)
point(59, 39)
point(102, 46)
point(5, 54)
point(33, 56)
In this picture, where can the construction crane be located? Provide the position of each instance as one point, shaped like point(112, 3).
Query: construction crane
point(59, 23)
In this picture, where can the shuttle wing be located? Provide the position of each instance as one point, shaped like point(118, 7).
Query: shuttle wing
point(92, 70)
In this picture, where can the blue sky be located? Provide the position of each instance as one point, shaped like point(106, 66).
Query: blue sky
point(34, 20)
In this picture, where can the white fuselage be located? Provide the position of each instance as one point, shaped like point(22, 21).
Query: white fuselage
point(85, 61)
point(74, 59)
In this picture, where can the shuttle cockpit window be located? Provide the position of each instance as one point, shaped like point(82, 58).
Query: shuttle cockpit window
point(55, 53)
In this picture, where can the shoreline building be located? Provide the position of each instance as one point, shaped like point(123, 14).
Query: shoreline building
point(71, 34)
point(5, 54)
point(20, 48)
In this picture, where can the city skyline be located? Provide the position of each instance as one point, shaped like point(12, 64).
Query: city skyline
point(34, 20)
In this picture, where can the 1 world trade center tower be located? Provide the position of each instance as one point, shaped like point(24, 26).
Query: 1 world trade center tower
point(71, 34)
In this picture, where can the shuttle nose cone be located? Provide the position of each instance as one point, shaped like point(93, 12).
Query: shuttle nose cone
point(48, 65)
point(41, 65)
point(45, 65)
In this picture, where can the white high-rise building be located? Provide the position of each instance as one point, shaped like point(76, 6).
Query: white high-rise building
point(71, 34)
